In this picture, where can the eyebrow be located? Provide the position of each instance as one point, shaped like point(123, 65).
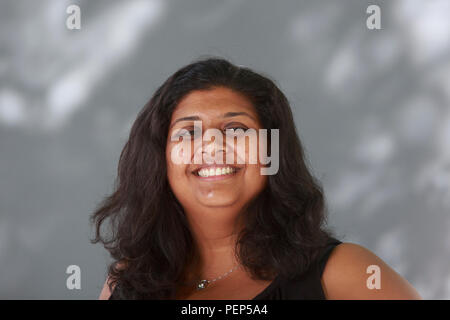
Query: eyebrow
point(235, 114)
point(226, 115)
point(191, 118)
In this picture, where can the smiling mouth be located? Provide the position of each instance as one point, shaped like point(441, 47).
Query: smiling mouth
point(215, 171)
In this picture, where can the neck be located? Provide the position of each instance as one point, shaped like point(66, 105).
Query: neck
point(217, 255)
point(215, 241)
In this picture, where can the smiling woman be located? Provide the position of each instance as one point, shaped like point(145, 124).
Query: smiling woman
point(201, 186)
point(219, 229)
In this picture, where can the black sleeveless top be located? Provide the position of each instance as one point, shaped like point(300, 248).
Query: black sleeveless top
point(308, 286)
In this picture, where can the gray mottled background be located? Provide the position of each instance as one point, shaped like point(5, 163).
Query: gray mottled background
point(371, 106)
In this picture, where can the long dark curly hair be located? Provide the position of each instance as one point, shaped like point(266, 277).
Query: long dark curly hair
point(146, 229)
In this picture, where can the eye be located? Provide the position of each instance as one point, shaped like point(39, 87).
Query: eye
point(185, 133)
point(235, 130)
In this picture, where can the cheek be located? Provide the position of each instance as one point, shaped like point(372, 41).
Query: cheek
point(174, 169)
point(178, 181)
point(254, 180)
point(179, 153)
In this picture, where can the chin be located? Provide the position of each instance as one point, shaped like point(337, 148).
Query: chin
point(217, 201)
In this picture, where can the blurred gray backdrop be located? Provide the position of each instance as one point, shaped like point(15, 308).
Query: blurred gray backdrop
point(371, 107)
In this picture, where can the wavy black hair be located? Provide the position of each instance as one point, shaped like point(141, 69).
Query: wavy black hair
point(284, 226)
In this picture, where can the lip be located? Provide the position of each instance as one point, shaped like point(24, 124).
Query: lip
point(219, 177)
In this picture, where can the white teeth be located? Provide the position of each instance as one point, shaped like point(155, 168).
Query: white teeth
point(215, 172)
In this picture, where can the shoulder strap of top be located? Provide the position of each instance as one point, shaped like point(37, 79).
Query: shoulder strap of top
point(306, 286)
point(325, 254)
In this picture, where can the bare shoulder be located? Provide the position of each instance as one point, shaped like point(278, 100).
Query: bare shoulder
point(354, 272)
point(106, 292)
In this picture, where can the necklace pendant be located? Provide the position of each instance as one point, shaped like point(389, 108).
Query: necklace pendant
point(202, 284)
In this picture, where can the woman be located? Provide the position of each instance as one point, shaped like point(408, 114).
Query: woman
point(221, 230)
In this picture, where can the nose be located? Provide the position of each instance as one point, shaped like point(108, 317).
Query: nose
point(209, 149)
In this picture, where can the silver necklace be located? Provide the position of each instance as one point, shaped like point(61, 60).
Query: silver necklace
point(202, 284)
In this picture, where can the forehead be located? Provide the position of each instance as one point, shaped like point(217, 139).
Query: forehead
point(213, 102)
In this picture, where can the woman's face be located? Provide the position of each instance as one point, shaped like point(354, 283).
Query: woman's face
point(211, 184)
